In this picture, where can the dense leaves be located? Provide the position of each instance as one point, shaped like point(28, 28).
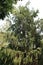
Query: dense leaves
point(25, 28)
point(24, 36)
point(6, 7)
point(24, 44)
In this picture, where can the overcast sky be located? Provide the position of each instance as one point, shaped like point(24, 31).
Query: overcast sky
point(35, 4)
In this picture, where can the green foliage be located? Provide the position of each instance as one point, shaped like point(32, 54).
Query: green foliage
point(23, 40)
point(24, 36)
point(6, 7)
point(25, 28)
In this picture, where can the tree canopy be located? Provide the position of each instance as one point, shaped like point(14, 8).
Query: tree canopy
point(6, 7)
point(22, 44)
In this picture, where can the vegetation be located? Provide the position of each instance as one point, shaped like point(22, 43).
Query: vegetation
point(21, 43)
point(6, 7)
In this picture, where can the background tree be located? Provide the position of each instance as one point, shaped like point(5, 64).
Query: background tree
point(24, 40)
point(25, 31)
point(24, 26)
point(6, 7)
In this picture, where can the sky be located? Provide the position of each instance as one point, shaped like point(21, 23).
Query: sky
point(37, 4)
point(34, 4)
